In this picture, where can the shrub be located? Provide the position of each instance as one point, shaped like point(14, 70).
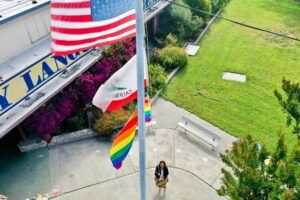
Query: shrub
point(171, 40)
point(157, 78)
point(218, 4)
point(172, 57)
point(75, 122)
point(180, 22)
point(46, 120)
point(107, 123)
point(154, 56)
point(204, 5)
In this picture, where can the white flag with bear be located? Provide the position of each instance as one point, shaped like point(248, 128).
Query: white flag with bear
point(120, 89)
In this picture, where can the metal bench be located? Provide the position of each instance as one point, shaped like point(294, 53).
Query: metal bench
point(199, 131)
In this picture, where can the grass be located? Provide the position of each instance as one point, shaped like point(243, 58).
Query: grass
point(251, 107)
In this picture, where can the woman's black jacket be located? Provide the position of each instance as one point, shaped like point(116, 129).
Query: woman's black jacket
point(157, 172)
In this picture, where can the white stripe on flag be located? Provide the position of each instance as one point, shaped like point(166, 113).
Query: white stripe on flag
point(70, 11)
point(74, 47)
point(72, 37)
point(63, 24)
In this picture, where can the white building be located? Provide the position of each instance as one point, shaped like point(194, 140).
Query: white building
point(30, 74)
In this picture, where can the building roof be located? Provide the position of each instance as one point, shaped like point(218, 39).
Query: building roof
point(17, 63)
point(12, 9)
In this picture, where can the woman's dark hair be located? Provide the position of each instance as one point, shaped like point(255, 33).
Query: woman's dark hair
point(162, 162)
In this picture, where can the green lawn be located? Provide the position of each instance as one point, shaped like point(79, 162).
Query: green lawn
point(251, 107)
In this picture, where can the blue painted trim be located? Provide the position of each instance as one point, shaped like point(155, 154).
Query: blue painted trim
point(12, 106)
point(13, 17)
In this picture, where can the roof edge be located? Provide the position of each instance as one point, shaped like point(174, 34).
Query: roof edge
point(25, 12)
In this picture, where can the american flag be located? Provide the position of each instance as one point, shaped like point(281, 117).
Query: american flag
point(78, 25)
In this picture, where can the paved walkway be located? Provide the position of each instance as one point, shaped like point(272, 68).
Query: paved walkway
point(23, 175)
point(167, 115)
point(82, 170)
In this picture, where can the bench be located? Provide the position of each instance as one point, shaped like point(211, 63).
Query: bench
point(199, 131)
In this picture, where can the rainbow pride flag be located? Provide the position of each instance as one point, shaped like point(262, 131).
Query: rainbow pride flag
point(123, 141)
point(147, 109)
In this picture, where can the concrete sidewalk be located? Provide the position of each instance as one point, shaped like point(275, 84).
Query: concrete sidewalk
point(167, 115)
point(23, 175)
point(182, 186)
point(82, 170)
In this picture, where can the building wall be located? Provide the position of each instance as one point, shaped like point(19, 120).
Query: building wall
point(23, 32)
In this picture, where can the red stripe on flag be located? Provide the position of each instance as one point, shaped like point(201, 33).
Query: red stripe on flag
point(66, 52)
point(117, 104)
point(70, 18)
point(122, 134)
point(93, 29)
point(79, 42)
point(129, 124)
point(85, 4)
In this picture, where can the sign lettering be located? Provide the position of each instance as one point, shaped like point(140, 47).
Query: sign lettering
point(18, 87)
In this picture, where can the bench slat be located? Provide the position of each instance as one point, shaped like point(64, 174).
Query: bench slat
point(198, 126)
point(199, 135)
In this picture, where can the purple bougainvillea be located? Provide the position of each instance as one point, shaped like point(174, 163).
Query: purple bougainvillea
point(47, 119)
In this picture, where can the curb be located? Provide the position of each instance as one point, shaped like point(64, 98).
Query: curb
point(207, 27)
point(170, 77)
point(71, 137)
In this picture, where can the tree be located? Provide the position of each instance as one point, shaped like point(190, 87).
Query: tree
point(180, 22)
point(283, 173)
point(204, 5)
point(218, 4)
point(290, 103)
point(256, 174)
point(247, 179)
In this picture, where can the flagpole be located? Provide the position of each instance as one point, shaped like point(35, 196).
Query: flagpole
point(141, 94)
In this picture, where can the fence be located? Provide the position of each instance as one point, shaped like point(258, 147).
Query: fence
point(149, 3)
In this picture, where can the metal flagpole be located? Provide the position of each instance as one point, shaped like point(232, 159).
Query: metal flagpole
point(141, 94)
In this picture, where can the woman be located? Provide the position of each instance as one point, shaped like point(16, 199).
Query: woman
point(161, 175)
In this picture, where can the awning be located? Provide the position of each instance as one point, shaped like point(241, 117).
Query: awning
point(24, 91)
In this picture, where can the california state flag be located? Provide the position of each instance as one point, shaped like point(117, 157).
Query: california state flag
point(120, 88)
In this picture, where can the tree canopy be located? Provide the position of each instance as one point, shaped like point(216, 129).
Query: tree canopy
point(290, 102)
point(254, 173)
